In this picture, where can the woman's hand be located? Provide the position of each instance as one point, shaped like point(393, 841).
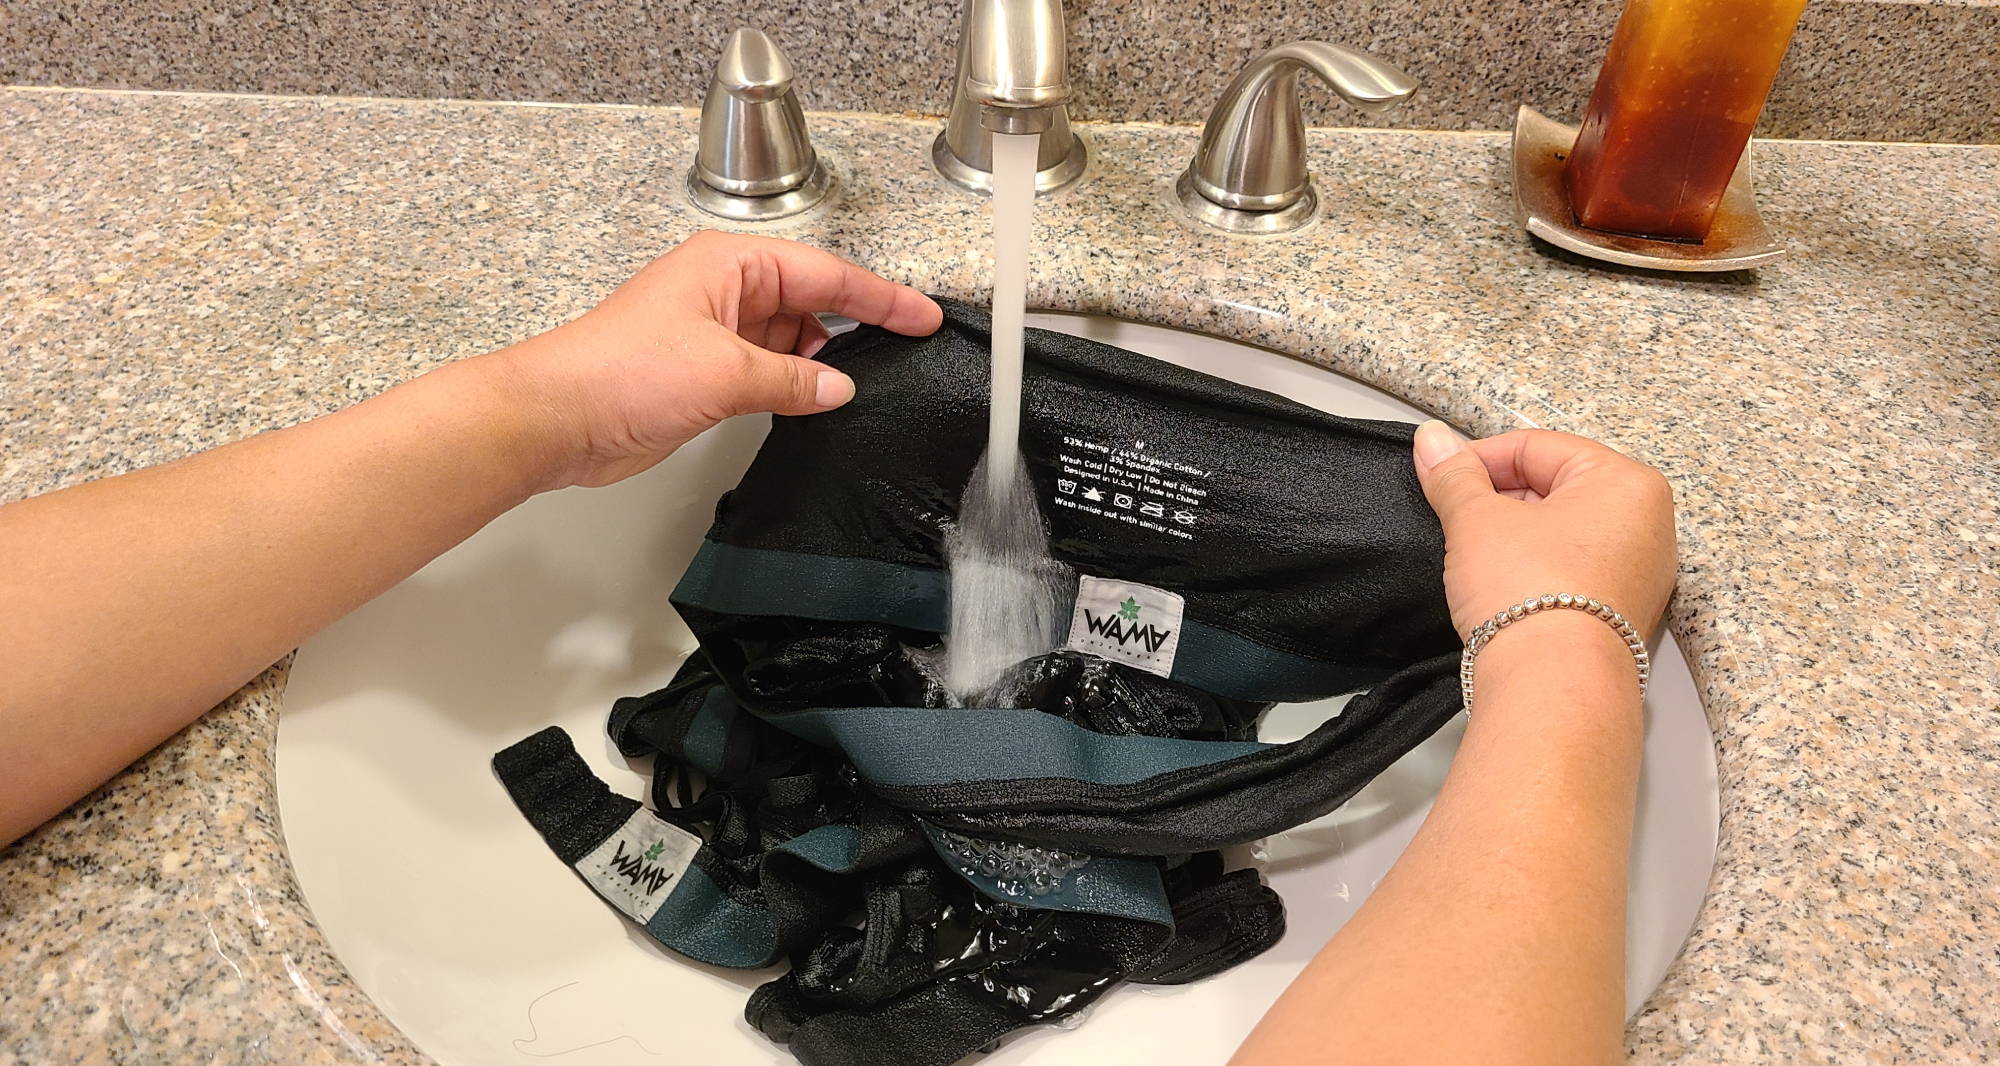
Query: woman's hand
point(1498, 936)
point(137, 602)
point(722, 325)
point(1534, 512)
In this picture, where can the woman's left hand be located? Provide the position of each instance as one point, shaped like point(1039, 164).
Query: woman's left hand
point(722, 325)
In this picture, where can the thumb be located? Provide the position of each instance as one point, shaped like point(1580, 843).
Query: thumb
point(788, 384)
point(1453, 475)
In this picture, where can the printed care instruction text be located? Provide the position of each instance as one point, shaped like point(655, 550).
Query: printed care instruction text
point(1131, 484)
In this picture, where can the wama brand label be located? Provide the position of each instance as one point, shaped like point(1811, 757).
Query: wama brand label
point(1127, 622)
point(637, 867)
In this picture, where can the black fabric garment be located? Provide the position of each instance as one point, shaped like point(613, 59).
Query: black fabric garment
point(1312, 542)
point(1314, 536)
point(934, 970)
point(1297, 559)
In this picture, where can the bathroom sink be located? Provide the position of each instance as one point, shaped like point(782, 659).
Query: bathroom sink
point(452, 914)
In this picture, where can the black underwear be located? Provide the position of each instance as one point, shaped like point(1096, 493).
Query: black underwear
point(1234, 549)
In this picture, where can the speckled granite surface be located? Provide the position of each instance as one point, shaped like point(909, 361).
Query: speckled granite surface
point(1926, 70)
point(183, 271)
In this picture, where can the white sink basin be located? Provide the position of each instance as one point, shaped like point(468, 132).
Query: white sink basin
point(484, 948)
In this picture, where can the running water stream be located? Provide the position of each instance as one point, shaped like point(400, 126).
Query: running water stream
point(1006, 592)
point(1013, 221)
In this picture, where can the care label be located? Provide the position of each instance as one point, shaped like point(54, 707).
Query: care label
point(637, 867)
point(1127, 622)
point(1131, 484)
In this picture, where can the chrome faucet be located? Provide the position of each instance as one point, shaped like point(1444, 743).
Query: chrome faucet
point(1249, 175)
point(1013, 77)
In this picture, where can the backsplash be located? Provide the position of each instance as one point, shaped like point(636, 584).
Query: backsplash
point(1858, 69)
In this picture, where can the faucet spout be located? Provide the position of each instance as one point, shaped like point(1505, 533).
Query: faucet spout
point(1013, 77)
point(1016, 63)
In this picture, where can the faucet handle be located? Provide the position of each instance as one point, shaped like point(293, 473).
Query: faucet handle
point(1249, 175)
point(753, 159)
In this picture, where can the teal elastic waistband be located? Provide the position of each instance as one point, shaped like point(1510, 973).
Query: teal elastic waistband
point(731, 579)
point(906, 747)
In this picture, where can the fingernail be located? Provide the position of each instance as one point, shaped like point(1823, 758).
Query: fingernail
point(833, 389)
point(1437, 442)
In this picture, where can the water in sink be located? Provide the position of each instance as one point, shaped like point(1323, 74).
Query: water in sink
point(450, 912)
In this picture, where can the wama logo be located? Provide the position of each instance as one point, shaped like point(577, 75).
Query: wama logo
point(1127, 622)
point(1124, 627)
point(639, 869)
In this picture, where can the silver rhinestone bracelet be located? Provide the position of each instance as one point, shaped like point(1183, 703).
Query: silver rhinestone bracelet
point(1483, 632)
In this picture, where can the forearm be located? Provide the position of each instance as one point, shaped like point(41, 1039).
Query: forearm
point(143, 600)
point(1498, 935)
point(129, 606)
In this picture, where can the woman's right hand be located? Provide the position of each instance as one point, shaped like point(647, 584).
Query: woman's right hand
point(1533, 512)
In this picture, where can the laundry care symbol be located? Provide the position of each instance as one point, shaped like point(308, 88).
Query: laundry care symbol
point(1065, 486)
point(1185, 518)
point(1122, 500)
point(1129, 610)
point(1093, 495)
point(1152, 508)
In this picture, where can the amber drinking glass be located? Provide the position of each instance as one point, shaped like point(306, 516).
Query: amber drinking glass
point(1681, 88)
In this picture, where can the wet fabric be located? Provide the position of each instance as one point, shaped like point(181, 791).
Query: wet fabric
point(793, 847)
point(937, 876)
point(1303, 558)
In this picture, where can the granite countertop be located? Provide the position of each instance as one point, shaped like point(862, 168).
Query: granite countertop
point(1151, 61)
point(181, 271)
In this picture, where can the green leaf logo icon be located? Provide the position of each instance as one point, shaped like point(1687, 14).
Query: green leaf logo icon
point(653, 852)
point(1129, 610)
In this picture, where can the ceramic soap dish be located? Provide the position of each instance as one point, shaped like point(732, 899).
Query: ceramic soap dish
point(1737, 241)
